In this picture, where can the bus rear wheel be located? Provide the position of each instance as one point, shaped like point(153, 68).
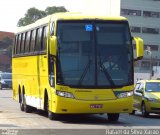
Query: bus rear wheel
point(21, 102)
point(113, 117)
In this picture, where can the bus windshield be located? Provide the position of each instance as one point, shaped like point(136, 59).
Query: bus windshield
point(94, 54)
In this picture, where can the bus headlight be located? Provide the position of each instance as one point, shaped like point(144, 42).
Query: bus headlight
point(64, 94)
point(123, 94)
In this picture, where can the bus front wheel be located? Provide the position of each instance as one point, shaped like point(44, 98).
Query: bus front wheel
point(113, 117)
point(51, 115)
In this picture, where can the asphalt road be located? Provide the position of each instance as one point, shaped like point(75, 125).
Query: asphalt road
point(12, 118)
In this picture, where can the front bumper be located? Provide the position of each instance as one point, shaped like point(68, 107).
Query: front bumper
point(73, 106)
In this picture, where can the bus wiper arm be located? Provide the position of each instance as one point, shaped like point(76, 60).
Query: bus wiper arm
point(106, 73)
point(84, 72)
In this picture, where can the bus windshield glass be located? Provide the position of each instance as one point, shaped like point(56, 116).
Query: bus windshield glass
point(94, 54)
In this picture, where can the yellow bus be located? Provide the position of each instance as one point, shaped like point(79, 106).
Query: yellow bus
point(71, 63)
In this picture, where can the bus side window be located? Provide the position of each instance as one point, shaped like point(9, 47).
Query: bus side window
point(44, 38)
point(19, 44)
point(32, 42)
point(23, 42)
point(27, 44)
point(38, 39)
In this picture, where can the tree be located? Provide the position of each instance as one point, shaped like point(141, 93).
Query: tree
point(54, 9)
point(31, 16)
point(34, 14)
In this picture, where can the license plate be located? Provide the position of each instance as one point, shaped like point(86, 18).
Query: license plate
point(96, 106)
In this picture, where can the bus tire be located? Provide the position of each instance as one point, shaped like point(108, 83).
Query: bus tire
point(51, 115)
point(21, 102)
point(113, 117)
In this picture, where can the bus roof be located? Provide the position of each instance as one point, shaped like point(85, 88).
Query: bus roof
point(68, 16)
point(82, 16)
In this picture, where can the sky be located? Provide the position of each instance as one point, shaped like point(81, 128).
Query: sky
point(12, 10)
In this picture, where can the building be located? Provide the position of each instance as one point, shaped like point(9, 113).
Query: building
point(144, 19)
point(6, 39)
point(3, 35)
point(6, 34)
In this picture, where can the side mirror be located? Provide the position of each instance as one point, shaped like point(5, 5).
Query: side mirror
point(53, 45)
point(139, 48)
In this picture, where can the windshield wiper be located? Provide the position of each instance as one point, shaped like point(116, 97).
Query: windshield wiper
point(84, 72)
point(105, 72)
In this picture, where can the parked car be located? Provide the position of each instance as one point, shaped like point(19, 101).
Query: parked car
point(5, 80)
point(146, 97)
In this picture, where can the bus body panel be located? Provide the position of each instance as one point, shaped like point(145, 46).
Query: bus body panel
point(30, 74)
